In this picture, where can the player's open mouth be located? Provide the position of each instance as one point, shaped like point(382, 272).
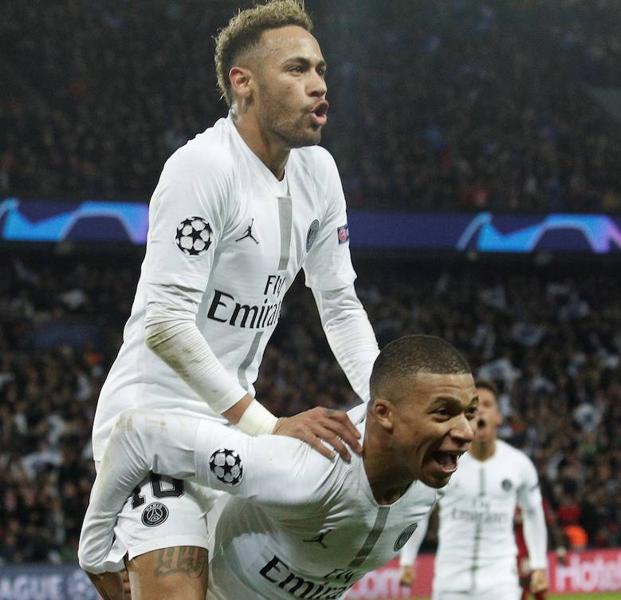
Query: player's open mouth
point(319, 114)
point(447, 460)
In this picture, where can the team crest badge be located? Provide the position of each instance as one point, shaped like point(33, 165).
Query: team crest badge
point(154, 514)
point(404, 536)
point(193, 236)
point(313, 230)
point(343, 233)
point(227, 466)
point(506, 485)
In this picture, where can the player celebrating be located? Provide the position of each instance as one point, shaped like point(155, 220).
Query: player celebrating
point(237, 212)
point(301, 525)
point(476, 557)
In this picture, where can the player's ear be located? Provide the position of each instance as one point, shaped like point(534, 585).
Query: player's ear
point(384, 413)
point(241, 85)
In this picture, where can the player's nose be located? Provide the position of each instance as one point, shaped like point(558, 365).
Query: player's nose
point(463, 430)
point(317, 86)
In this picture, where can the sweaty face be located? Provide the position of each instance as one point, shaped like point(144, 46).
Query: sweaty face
point(434, 426)
point(290, 88)
point(488, 416)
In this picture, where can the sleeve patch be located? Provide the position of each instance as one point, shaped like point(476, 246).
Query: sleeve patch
point(343, 233)
point(193, 236)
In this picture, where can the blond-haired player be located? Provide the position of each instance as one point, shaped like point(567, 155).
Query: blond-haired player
point(237, 213)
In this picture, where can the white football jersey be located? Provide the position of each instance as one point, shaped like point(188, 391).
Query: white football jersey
point(220, 223)
point(476, 541)
point(300, 525)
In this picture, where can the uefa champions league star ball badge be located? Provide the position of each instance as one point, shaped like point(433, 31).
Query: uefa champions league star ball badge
point(193, 236)
point(227, 466)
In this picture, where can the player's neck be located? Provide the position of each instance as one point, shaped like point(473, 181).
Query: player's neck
point(386, 490)
point(270, 150)
point(483, 450)
point(387, 485)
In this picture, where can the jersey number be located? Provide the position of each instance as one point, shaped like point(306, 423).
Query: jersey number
point(158, 492)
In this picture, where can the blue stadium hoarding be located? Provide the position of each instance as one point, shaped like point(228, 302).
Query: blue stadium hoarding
point(45, 582)
point(126, 222)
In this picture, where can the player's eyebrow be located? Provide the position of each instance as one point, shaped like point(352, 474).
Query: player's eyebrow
point(305, 62)
point(453, 403)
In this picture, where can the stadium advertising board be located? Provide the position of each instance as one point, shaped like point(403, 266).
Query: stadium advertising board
point(583, 572)
point(45, 582)
point(113, 222)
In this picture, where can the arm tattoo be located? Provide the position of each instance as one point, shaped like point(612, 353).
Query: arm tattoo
point(190, 560)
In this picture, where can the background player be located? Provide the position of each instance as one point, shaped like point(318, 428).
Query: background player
point(300, 524)
point(209, 295)
point(476, 556)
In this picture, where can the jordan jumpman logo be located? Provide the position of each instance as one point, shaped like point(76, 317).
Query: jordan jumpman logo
point(248, 234)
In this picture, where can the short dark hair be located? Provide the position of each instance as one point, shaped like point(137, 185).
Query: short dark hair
point(244, 31)
point(488, 385)
point(412, 354)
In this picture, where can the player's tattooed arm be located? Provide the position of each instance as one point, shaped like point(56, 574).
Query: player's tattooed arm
point(189, 560)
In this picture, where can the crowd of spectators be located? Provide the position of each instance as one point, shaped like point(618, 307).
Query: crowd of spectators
point(551, 340)
point(463, 104)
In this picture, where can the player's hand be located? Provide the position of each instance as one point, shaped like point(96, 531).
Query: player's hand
point(407, 576)
point(319, 425)
point(538, 581)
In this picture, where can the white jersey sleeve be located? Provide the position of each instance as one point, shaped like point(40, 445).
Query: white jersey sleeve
point(188, 215)
point(328, 264)
point(534, 524)
point(187, 218)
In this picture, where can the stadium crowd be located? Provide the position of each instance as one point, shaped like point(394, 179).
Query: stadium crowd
point(465, 104)
point(551, 340)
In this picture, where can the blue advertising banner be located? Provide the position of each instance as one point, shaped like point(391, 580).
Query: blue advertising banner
point(45, 582)
point(126, 222)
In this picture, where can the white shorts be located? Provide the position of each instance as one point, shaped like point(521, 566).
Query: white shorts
point(162, 513)
point(502, 591)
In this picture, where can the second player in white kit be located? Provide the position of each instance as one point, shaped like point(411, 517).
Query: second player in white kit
point(300, 525)
point(476, 556)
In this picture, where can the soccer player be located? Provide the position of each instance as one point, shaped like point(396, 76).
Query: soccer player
point(476, 557)
point(299, 524)
point(237, 212)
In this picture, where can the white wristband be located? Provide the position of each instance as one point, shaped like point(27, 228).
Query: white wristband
point(257, 420)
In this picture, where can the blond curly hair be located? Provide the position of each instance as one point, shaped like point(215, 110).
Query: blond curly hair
point(244, 31)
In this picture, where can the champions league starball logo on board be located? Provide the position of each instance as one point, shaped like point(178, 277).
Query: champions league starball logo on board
point(227, 466)
point(193, 236)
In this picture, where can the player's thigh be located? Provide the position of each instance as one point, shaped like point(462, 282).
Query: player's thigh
point(162, 531)
point(110, 586)
point(179, 573)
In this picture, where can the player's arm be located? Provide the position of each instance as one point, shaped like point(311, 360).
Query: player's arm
point(278, 471)
point(349, 333)
point(330, 275)
point(409, 552)
point(188, 216)
point(534, 525)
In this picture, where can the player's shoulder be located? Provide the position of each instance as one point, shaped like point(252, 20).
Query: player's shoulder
point(515, 455)
point(315, 161)
point(207, 154)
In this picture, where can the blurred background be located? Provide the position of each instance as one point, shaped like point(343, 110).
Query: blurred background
point(479, 144)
